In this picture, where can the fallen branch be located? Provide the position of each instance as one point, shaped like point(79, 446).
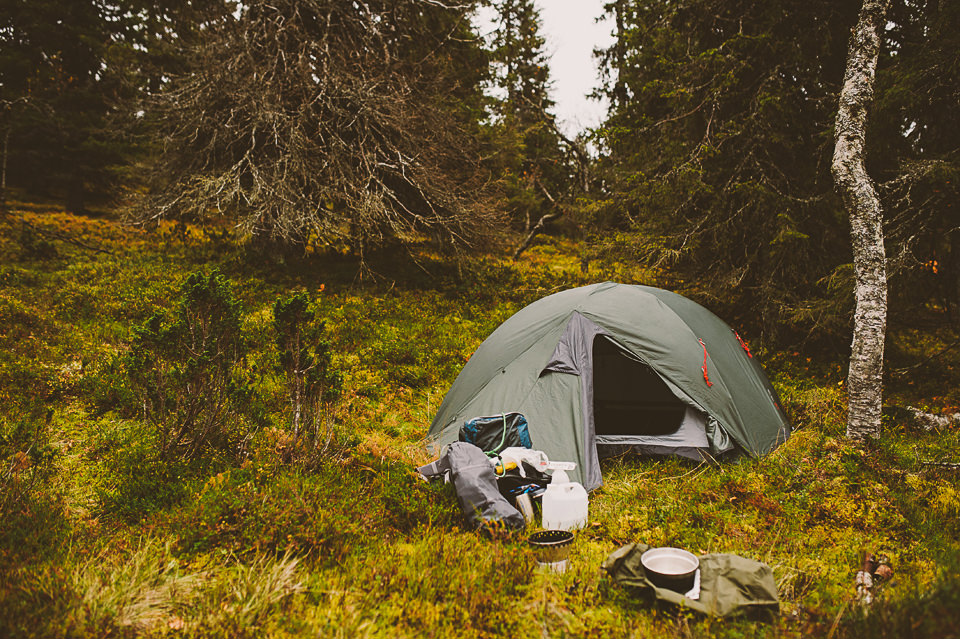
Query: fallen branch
point(577, 150)
point(549, 217)
point(931, 421)
point(941, 464)
point(906, 369)
point(63, 238)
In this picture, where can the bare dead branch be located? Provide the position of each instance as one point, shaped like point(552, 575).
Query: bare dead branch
point(541, 223)
point(322, 122)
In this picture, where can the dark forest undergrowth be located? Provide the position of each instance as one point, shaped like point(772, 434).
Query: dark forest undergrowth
point(107, 529)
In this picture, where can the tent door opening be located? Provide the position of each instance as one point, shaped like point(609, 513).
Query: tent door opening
point(629, 398)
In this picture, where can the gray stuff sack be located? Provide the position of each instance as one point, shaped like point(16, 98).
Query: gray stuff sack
point(476, 485)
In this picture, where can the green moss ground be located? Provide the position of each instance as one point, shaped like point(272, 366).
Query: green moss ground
point(99, 537)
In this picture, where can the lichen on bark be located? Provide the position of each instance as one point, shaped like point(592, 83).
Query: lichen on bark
point(865, 376)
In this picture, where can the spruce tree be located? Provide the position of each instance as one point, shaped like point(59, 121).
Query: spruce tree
point(529, 156)
point(914, 151)
point(717, 147)
point(57, 89)
point(319, 121)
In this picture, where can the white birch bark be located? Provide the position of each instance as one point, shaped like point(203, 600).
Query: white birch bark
point(865, 376)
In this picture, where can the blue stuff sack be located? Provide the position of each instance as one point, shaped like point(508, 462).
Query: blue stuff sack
point(496, 432)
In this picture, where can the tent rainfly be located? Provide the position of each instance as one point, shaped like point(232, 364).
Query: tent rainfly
point(617, 366)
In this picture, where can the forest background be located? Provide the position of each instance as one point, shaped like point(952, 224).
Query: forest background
point(247, 247)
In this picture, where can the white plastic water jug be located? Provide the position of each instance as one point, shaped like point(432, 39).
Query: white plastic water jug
point(564, 504)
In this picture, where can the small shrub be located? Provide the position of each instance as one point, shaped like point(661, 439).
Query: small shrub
point(185, 370)
point(34, 246)
point(446, 585)
point(312, 383)
point(28, 362)
point(25, 454)
point(244, 510)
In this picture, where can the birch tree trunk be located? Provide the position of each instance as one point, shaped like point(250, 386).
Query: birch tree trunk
point(865, 376)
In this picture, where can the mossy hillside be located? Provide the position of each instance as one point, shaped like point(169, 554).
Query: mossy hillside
point(105, 537)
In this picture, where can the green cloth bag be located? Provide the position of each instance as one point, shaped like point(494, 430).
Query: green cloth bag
point(730, 585)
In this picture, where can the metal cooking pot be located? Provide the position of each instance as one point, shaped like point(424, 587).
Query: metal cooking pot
point(671, 568)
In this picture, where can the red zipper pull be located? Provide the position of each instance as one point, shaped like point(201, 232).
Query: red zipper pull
point(704, 367)
point(744, 344)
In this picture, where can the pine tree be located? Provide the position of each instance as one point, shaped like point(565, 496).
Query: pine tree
point(529, 156)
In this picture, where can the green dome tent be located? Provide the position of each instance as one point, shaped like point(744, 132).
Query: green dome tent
point(622, 366)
